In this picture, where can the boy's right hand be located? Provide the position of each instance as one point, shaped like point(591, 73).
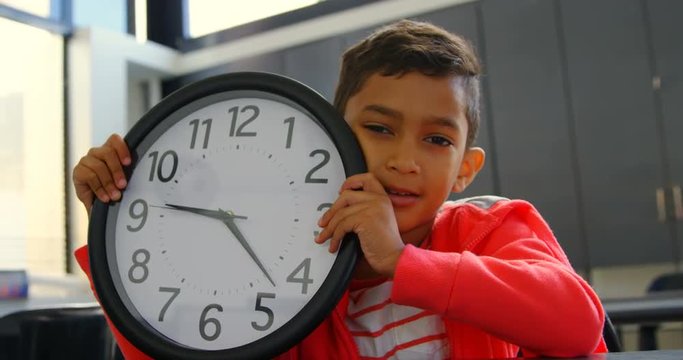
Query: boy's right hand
point(100, 172)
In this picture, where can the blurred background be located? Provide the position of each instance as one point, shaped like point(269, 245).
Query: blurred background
point(582, 113)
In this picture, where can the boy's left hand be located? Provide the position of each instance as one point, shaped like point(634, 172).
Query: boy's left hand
point(363, 207)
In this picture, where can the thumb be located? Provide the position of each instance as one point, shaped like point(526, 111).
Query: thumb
point(86, 196)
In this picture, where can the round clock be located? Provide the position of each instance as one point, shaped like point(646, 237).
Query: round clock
point(210, 252)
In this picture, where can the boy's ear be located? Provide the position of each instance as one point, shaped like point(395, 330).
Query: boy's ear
point(472, 162)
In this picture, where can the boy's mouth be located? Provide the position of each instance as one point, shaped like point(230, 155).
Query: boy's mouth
point(401, 197)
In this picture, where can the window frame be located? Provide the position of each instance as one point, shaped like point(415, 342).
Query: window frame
point(59, 21)
point(169, 22)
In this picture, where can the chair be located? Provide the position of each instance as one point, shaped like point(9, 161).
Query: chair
point(56, 333)
point(610, 335)
point(647, 333)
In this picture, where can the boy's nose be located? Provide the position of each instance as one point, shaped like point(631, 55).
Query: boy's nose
point(404, 161)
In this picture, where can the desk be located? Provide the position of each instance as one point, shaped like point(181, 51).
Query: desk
point(50, 292)
point(657, 307)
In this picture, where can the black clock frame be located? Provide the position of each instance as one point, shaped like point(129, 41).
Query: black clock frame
point(321, 304)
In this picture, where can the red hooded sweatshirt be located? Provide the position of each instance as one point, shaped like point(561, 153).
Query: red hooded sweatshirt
point(496, 275)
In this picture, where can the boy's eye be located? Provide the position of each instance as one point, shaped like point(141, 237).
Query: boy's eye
point(438, 140)
point(381, 129)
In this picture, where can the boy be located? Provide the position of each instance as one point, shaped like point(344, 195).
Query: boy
point(482, 278)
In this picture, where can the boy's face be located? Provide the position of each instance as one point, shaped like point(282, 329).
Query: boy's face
point(412, 130)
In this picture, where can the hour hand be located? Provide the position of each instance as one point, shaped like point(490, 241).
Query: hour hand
point(216, 214)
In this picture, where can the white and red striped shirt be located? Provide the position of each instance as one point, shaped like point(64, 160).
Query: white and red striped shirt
point(384, 330)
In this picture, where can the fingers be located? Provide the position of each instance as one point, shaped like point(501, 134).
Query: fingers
point(342, 223)
point(355, 189)
point(366, 182)
point(94, 175)
point(358, 195)
point(345, 199)
point(100, 172)
point(116, 142)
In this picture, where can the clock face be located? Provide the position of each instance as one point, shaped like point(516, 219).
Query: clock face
point(211, 247)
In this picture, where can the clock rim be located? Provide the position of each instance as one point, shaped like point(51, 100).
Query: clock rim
point(317, 308)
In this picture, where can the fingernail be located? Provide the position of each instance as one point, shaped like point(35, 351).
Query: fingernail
point(115, 194)
point(126, 161)
point(105, 199)
point(356, 185)
point(121, 183)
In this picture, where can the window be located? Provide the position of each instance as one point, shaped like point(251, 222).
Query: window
point(32, 218)
point(208, 16)
point(36, 7)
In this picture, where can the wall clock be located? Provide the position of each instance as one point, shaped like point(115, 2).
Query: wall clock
point(210, 252)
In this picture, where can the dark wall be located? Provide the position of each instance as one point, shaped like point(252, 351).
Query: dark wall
point(581, 114)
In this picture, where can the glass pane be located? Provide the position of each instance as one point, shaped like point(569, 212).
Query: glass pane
point(35, 7)
point(207, 16)
point(31, 150)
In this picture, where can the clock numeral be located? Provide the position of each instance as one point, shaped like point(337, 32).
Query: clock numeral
point(195, 129)
point(239, 130)
point(265, 310)
point(139, 264)
point(321, 207)
point(304, 280)
point(290, 130)
point(174, 293)
point(159, 169)
point(326, 158)
point(204, 321)
point(142, 215)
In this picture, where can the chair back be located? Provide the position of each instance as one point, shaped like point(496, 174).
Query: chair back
point(56, 333)
point(647, 333)
point(610, 335)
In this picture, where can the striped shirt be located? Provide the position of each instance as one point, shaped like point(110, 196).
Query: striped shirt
point(384, 330)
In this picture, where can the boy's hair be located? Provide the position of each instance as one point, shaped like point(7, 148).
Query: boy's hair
point(406, 46)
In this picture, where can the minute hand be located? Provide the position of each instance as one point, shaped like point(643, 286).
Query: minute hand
point(230, 223)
